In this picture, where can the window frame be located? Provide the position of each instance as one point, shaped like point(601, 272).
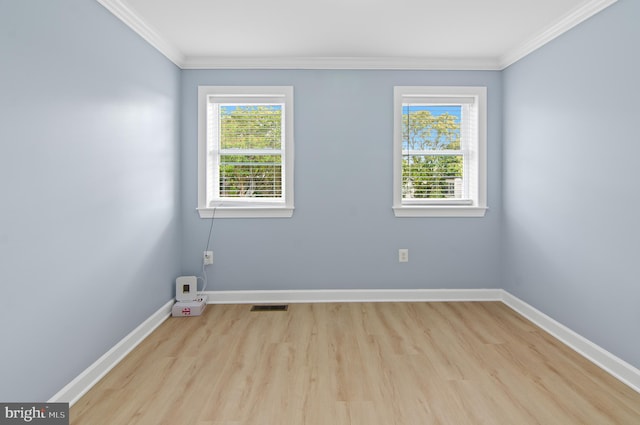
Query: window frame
point(475, 164)
point(244, 207)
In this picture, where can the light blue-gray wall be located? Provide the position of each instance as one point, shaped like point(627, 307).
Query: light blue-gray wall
point(343, 233)
point(571, 198)
point(98, 177)
point(89, 227)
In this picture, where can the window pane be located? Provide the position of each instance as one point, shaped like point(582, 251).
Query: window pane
point(432, 176)
point(250, 126)
point(431, 127)
point(252, 176)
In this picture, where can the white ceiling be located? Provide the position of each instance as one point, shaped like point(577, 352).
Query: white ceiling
point(390, 34)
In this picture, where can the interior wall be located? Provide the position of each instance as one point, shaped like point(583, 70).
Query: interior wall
point(89, 235)
point(571, 200)
point(92, 175)
point(343, 234)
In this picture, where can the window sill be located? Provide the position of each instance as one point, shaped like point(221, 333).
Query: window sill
point(246, 212)
point(439, 211)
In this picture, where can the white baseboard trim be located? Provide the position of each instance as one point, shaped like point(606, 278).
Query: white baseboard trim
point(75, 389)
point(352, 295)
point(617, 367)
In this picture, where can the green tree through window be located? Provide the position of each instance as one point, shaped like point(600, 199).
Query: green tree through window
point(432, 163)
point(250, 151)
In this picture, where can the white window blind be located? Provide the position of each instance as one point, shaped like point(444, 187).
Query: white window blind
point(437, 151)
point(248, 148)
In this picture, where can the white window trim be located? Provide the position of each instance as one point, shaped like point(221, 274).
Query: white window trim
point(478, 205)
point(245, 208)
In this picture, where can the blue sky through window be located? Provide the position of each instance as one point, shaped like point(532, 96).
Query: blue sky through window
point(435, 110)
point(418, 136)
point(229, 109)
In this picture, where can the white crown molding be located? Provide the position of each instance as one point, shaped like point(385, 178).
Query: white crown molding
point(385, 63)
point(137, 24)
point(75, 389)
point(569, 21)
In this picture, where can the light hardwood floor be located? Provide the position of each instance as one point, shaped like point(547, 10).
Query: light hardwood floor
point(357, 363)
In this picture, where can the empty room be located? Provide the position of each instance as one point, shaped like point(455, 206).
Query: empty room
point(341, 212)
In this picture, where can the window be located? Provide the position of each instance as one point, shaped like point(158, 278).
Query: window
point(439, 155)
point(245, 151)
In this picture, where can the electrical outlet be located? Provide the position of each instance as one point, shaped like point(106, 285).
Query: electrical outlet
point(403, 255)
point(207, 258)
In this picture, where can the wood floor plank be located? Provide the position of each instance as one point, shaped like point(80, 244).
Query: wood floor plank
point(356, 363)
